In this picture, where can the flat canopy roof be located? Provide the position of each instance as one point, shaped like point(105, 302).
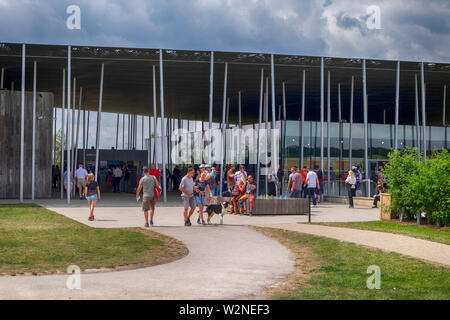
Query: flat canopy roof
point(128, 81)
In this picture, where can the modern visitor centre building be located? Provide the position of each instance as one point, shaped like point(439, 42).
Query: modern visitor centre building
point(331, 113)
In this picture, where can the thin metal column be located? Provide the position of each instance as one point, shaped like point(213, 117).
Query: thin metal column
point(397, 95)
point(443, 105)
point(99, 117)
point(33, 146)
point(72, 144)
point(416, 105)
point(123, 131)
point(283, 132)
point(84, 137)
point(78, 128)
point(266, 122)
point(22, 122)
point(328, 131)
point(117, 131)
point(55, 116)
point(142, 131)
point(350, 144)
point(211, 96)
point(69, 119)
point(424, 119)
point(274, 151)
point(321, 110)
point(224, 107)
point(63, 129)
point(366, 156)
point(155, 115)
point(258, 167)
point(87, 129)
point(2, 78)
point(303, 118)
point(161, 96)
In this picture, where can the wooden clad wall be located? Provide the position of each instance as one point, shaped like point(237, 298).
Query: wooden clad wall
point(10, 114)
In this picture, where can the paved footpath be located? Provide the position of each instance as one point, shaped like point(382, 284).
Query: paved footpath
point(417, 248)
point(229, 261)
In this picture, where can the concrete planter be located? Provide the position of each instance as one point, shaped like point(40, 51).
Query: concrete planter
point(385, 208)
point(281, 206)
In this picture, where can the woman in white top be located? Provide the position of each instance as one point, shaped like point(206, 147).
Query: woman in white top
point(351, 185)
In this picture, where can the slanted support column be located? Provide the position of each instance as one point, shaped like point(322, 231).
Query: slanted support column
point(69, 120)
point(321, 110)
point(163, 128)
point(80, 96)
point(351, 121)
point(211, 100)
point(155, 114)
point(443, 104)
point(99, 118)
point(84, 137)
point(63, 130)
point(416, 106)
point(258, 167)
point(117, 132)
point(328, 130)
point(274, 150)
point(397, 95)
point(424, 119)
point(303, 119)
point(22, 122)
point(366, 155)
point(33, 146)
point(224, 107)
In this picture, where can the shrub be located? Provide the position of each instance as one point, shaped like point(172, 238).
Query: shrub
point(402, 166)
point(420, 186)
point(429, 190)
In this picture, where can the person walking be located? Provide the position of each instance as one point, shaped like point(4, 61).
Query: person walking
point(303, 173)
point(351, 187)
point(201, 192)
point(147, 185)
point(273, 181)
point(297, 183)
point(156, 173)
point(312, 182)
point(187, 194)
point(68, 181)
point(238, 191)
point(319, 190)
point(117, 176)
point(280, 176)
point(92, 193)
point(231, 178)
point(80, 179)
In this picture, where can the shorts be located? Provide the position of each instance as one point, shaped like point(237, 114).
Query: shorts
point(200, 200)
point(81, 183)
point(92, 198)
point(188, 202)
point(148, 203)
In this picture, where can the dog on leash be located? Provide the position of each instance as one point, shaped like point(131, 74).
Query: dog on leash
point(220, 208)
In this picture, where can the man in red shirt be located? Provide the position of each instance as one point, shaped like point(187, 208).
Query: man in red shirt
point(304, 173)
point(155, 172)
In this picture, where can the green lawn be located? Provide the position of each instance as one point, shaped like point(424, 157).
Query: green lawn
point(330, 269)
point(36, 240)
point(426, 232)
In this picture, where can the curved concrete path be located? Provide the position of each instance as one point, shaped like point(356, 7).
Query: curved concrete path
point(223, 263)
point(429, 251)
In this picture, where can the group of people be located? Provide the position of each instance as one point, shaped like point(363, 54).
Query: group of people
point(306, 182)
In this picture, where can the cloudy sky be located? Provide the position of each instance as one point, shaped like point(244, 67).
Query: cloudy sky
point(409, 29)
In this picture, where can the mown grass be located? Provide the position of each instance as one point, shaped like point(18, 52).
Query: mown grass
point(34, 240)
point(340, 272)
point(426, 232)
